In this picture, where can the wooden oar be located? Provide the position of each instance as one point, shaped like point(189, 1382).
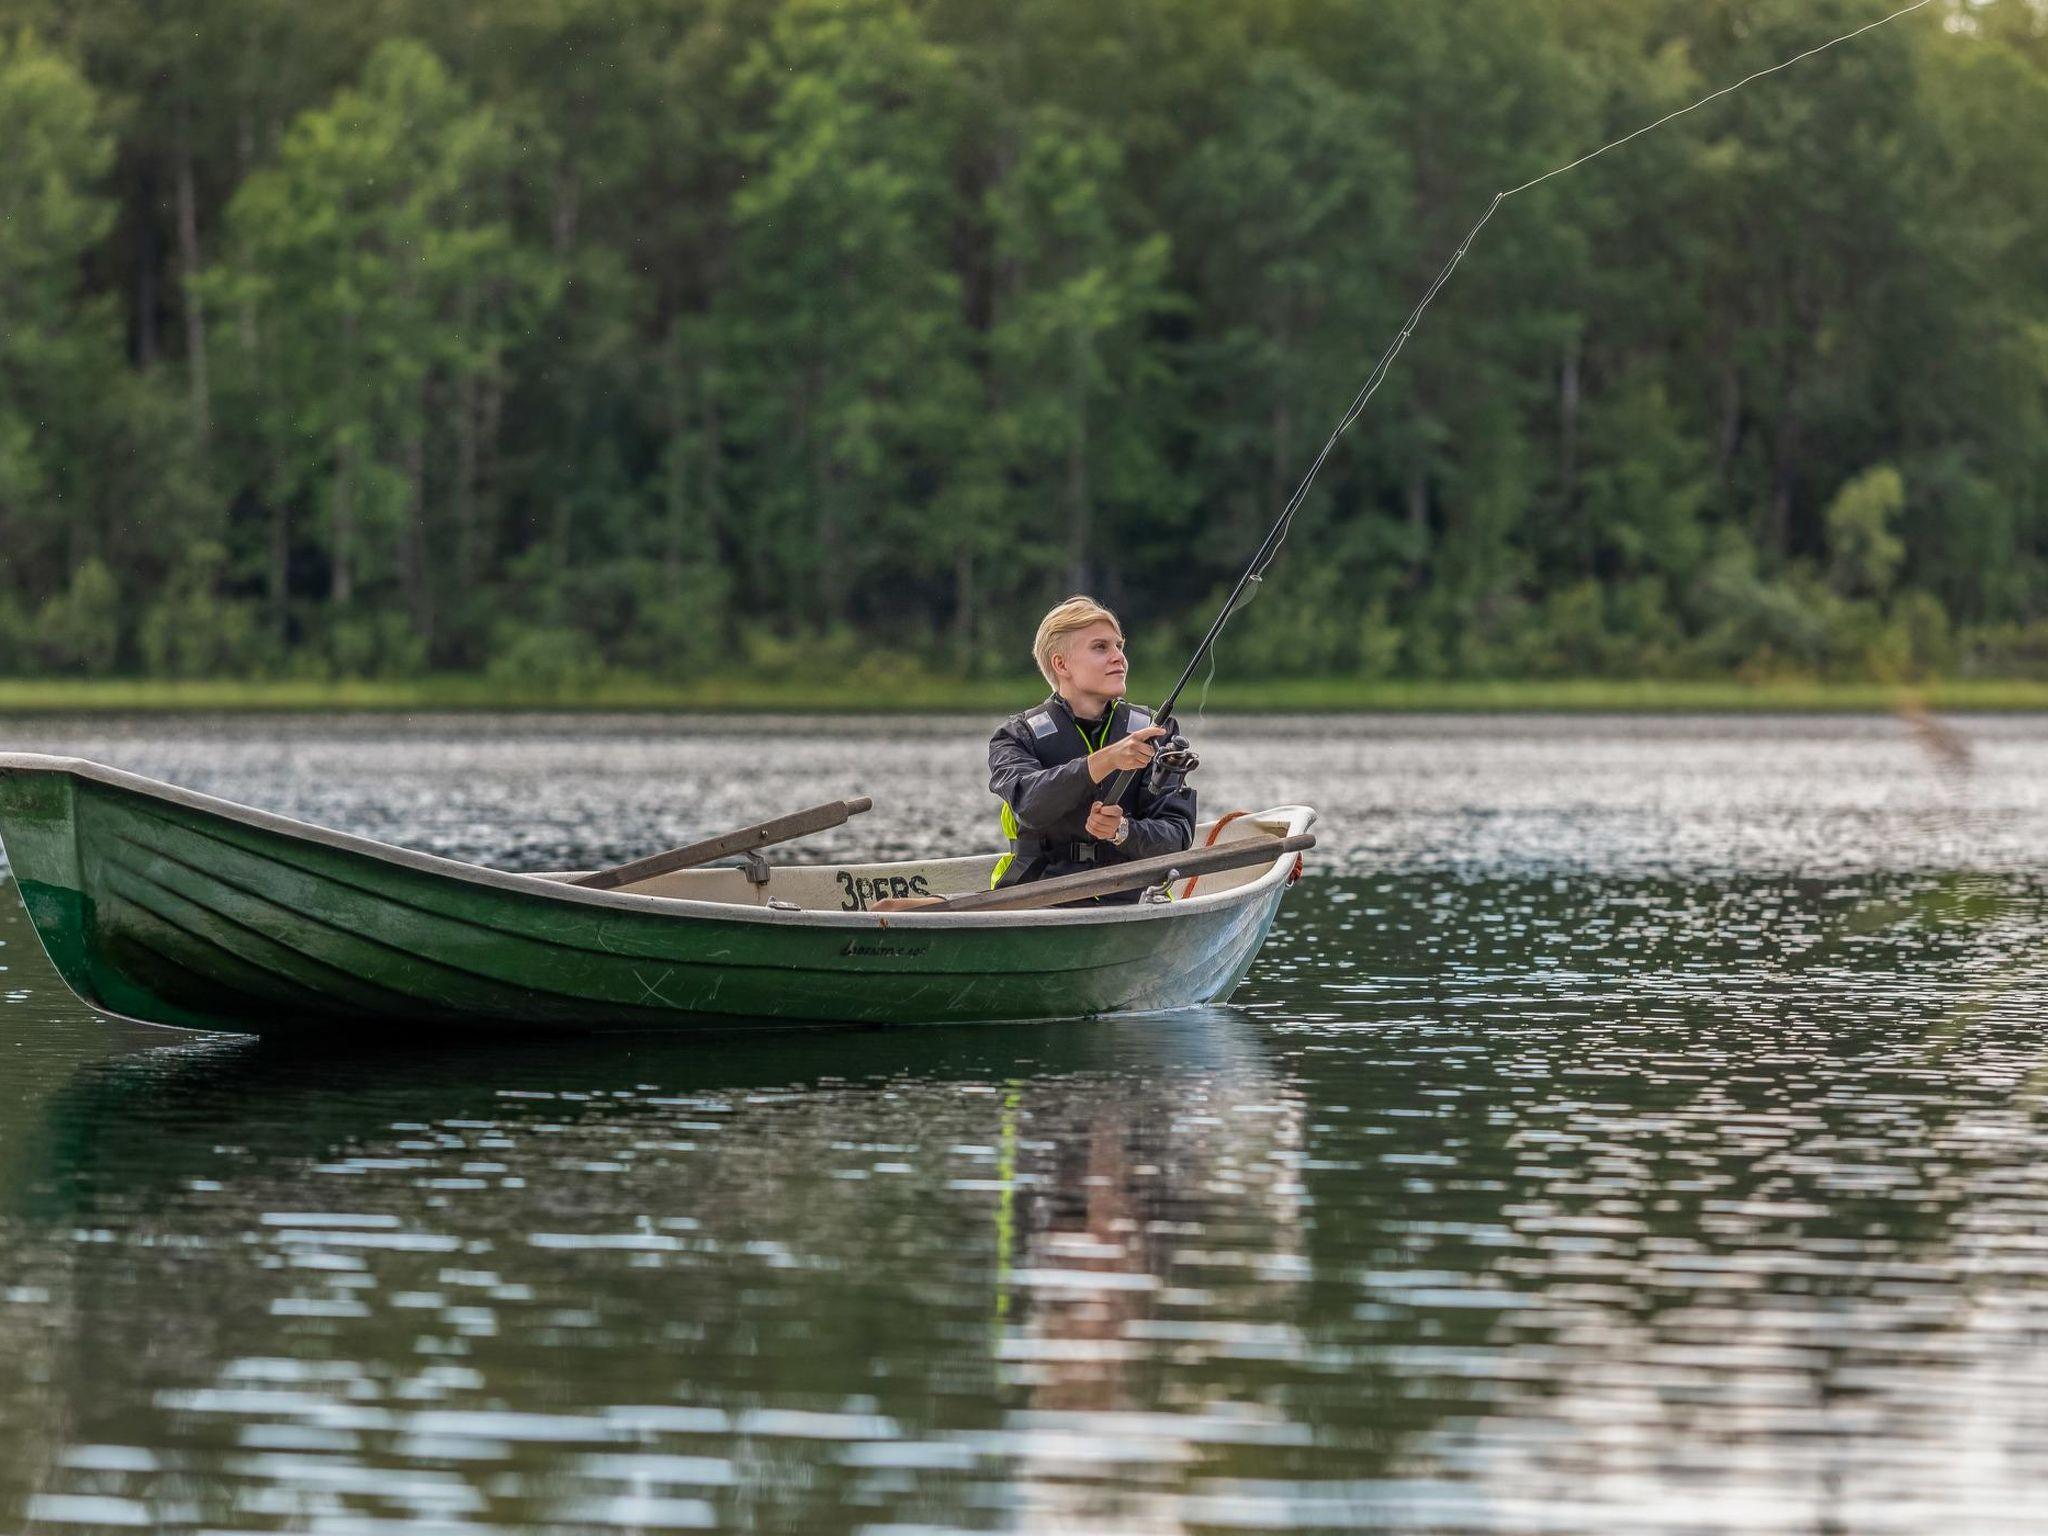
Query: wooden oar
point(1125, 877)
point(783, 828)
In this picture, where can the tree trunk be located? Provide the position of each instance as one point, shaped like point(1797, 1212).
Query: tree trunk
point(490, 419)
point(833, 587)
point(1568, 451)
point(710, 487)
point(279, 577)
point(143, 345)
point(465, 479)
point(1568, 419)
point(675, 459)
point(1730, 434)
point(280, 569)
point(343, 580)
point(1418, 519)
point(1789, 441)
point(1277, 487)
point(964, 617)
point(677, 492)
point(830, 574)
point(561, 527)
point(344, 470)
point(188, 269)
point(562, 216)
point(419, 589)
point(1080, 516)
point(1777, 538)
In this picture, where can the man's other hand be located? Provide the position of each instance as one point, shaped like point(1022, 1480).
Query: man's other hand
point(1132, 753)
point(1103, 821)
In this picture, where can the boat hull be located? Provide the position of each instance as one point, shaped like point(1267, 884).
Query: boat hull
point(162, 906)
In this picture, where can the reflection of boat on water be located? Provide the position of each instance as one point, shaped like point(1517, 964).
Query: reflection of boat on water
point(549, 1239)
point(154, 1120)
point(170, 907)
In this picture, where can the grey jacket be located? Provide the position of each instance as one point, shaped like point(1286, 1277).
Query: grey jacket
point(1037, 766)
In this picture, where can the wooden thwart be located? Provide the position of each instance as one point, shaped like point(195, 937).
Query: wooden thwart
point(781, 830)
point(1126, 877)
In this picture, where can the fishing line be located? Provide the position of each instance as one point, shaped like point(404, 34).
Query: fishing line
point(1379, 372)
point(1215, 649)
point(1270, 550)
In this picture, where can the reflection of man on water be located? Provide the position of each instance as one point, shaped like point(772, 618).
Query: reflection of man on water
point(1047, 764)
point(1153, 1303)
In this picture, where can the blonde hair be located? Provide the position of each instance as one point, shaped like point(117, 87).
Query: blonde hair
point(1070, 617)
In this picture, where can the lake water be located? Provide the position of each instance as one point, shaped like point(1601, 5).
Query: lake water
point(1631, 1126)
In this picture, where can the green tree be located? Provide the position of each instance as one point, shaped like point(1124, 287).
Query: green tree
point(580, 333)
point(842, 322)
point(79, 630)
point(194, 629)
point(1074, 352)
point(1864, 549)
point(380, 272)
point(54, 339)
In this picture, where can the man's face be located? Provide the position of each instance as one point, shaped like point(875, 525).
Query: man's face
point(1092, 661)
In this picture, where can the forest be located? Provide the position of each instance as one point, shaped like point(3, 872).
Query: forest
point(559, 339)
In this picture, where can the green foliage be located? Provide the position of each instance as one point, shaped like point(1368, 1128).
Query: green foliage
point(1379, 643)
point(1647, 487)
point(549, 658)
point(673, 620)
point(50, 212)
point(17, 637)
point(377, 645)
point(843, 315)
point(56, 340)
point(378, 274)
point(192, 630)
point(79, 630)
point(1073, 347)
point(552, 338)
point(1864, 550)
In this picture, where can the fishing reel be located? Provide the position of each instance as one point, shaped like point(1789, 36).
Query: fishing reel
point(1173, 761)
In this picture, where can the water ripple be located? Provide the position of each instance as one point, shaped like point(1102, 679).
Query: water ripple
point(1631, 1128)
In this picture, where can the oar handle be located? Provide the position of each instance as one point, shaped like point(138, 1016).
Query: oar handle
point(780, 830)
point(1127, 877)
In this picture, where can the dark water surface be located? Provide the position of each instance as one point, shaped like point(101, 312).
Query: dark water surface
point(1631, 1126)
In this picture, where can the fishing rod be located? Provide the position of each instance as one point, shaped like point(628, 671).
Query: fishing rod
point(1120, 783)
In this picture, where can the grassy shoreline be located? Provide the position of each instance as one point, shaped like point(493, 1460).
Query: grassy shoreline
point(865, 695)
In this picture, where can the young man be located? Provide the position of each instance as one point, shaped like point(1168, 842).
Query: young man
point(1048, 764)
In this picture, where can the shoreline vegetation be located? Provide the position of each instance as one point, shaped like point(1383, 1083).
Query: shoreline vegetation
point(873, 693)
point(552, 342)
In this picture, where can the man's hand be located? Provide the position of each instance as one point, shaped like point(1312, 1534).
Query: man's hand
point(1103, 821)
point(1133, 753)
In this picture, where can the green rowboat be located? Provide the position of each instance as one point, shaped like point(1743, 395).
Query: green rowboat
point(164, 906)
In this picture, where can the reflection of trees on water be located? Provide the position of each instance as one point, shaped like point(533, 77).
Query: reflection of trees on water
point(780, 1258)
point(33, 1341)
point(1479, 1208)
point(1685, 1181)
point(33, 1427)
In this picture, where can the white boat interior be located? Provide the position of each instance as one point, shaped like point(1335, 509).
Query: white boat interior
point(852, 887)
